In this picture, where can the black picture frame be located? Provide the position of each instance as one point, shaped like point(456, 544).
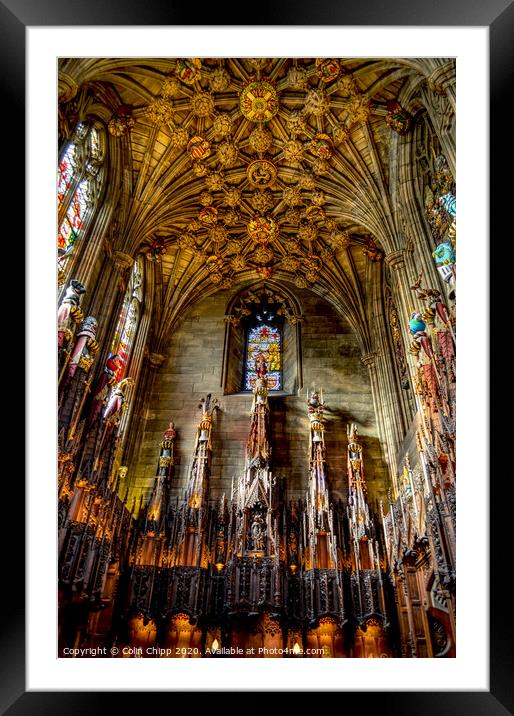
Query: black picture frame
point(498, 15)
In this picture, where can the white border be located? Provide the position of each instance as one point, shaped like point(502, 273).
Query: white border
point(469, 671)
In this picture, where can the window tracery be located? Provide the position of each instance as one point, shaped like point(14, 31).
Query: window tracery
point(80, 178)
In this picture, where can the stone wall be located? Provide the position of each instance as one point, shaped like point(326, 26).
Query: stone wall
point(194, 367)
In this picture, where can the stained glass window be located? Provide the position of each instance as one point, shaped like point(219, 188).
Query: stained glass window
point(74, 219)
point(127, 321)
point(263, 343)
point(67, 168)
point(79, 180)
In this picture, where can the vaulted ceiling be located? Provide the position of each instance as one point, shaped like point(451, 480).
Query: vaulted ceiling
point(236, 169)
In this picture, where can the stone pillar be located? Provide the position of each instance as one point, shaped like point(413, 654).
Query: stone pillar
point(384, 422)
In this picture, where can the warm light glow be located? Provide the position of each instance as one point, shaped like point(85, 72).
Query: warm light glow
point(296, 648)
point(215, 645)
point(219, 566)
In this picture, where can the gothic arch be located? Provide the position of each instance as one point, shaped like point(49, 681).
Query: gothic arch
point(233, 353)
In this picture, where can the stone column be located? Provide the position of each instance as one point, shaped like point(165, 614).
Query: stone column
point(384, 422)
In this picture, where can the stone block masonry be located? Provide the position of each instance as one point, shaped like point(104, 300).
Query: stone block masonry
point(193, 368)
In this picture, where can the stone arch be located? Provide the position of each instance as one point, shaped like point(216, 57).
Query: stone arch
point(233, 354)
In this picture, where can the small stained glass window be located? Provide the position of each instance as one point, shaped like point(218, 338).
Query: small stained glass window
point(263, 343)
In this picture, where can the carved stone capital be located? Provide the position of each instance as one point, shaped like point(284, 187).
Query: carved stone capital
point(67, 88)
point(369, 359)
point(156, 359)
point(395, 260)
point(122, 261)
point(442, 77)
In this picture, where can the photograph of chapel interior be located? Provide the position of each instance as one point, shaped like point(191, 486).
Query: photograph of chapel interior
point(256, 357)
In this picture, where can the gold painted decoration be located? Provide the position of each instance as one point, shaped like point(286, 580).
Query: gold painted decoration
point(291, 263)
point(159, 111)
point(199, 148)
point(339, 239)
point(328, 69)
point(187, 241)
point(318, 197)
point(216, 277)
point(263, 255)
point(313, 262)
point(340, 134)
point(208, 215)
point(226, 154)
point(292, 245)
point(121, 121)
point(206, 199)
point(398, 118)
point(262, 201)
point(170, 87)
point(188, 70)
point(194, 225)
point(218, 234)
point(260, 139)
point(296, 123)
point(231, 216)
point(232, 196)
point(228, 282)
point(262, 230)
point(293, 215)
point(321, 146)
point(202, 104)
point(265, 271)
point(300, 281)
point(358, 108)
point(346, 84)
point(223, 125)
point(214, 264)
point(308, 232)
point(317, 102)
point(320, 166)
point(258, 101)
point(219, 79)
point(259, 63)
point(215, 181)
point(292, 196)
point(238, 263)
point(179, 137)
point(293, 151)
point(315, 213)
point(235, 245)
point(306, 180)
point(297, 77)
point(261, 173)
point(200, 169)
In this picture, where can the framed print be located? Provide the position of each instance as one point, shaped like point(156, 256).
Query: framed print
point(255, 382)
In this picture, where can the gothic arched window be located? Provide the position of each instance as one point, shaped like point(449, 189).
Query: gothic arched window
point(80, 178)
point(263, 326)
point(128, 320)
point(263, 346)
